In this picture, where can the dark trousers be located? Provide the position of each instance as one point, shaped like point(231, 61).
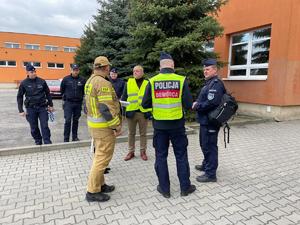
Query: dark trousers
point(33, 115)
point(209, 144)
point(161, 141)
point(72, 113)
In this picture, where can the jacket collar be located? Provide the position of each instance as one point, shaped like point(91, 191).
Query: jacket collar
point(74, 77)
point(211, 79)
point(100, 73)
point(167, 70)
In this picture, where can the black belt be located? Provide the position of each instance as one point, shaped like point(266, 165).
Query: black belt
point(37, 105)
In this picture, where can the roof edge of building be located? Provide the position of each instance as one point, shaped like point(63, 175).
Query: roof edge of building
point(11, 32)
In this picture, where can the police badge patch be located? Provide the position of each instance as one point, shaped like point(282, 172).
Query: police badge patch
point(210, 96)
point(105, 89)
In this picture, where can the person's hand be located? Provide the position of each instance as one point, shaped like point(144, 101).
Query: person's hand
point(50, 109)
point(194, 105)
point(22, 114)
point(148, 115)
point(118, 131)
point(85, 110)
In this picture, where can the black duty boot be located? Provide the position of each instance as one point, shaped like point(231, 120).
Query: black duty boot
point(107, 188)
point(96, 197)
point(190, 190)
point(165, 194)
point(204, 179)
point(199, 167)
point(38, 142)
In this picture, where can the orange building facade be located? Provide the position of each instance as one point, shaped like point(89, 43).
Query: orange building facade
point(51, 55)
point(261, 44)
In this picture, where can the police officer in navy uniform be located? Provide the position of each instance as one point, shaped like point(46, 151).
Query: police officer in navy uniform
point(72, 89)
point(37, 103)
point(209, 98)
point(116, 82)
point(168, 93)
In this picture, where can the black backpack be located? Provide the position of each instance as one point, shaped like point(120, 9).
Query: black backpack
point(223, 113)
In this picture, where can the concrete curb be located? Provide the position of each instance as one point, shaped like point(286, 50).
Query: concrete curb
point(238, 123)
point(69, 145)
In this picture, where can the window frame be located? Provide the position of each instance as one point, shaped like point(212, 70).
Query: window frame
point(69, 47)
point(6, 63)
point(55, 67)
point(26, 44)
point(248, 66)
point(207, 49)
point(12, 43)
point(51, 46)
point(32, 63)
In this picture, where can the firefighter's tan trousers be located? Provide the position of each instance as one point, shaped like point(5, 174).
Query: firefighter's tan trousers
point(104, 149)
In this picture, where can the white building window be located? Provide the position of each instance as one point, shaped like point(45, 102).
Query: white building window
point(249, 55)
point(11, 45)
point(69, 49)
point(8, 63)
point(209, 46)
point(52, 65)
point(51, 48)
point(32, 46)
point(35, 64)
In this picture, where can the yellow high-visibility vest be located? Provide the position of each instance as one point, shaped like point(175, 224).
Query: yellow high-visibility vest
point(135, 95)
point(166, 91)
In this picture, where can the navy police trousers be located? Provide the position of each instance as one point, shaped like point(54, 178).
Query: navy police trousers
point(161, 141)
point(34, 114)
point(72, 111)
point(209, 144)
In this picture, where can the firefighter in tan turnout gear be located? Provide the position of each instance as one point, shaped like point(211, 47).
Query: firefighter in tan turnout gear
point(104, 123)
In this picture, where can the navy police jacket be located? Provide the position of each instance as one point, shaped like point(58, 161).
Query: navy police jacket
point(72, 88)
point(36, 92)
point(209, 98)
point(118, 85)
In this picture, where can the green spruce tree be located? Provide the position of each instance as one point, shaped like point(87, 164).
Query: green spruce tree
point(109, 36)
point(83, 57)
point(112, 34)
point(180, 27)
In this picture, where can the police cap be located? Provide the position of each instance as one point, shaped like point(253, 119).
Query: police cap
point(75, 67)
point(114, 70)
point(30, 67)
point(164, 55)
point(209, 62)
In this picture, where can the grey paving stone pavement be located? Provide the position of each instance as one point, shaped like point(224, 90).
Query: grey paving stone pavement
point(15, 130)
point(258, 183)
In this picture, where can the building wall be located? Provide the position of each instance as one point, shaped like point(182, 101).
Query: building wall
point(282, 87)
point(15, 74)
